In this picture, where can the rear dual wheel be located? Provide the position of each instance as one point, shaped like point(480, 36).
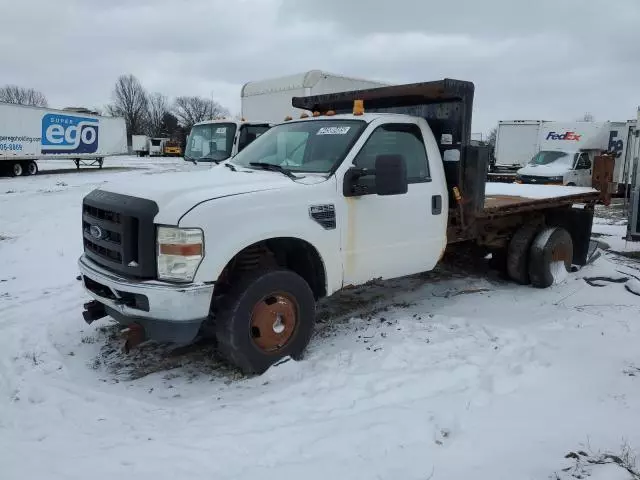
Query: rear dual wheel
point(550, 257)
point(23, 168)
point(539, 256)
point(17, 169)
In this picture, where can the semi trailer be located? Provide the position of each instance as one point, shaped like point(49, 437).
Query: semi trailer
point(30, 134)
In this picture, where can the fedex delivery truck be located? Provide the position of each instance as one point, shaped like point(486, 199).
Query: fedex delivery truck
point(269, 101)
point(545, 152)
point(29, 134)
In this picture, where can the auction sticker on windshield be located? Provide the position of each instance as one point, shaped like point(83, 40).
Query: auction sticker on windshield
point(333, 131)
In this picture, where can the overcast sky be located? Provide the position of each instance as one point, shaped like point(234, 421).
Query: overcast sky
point(529, 59)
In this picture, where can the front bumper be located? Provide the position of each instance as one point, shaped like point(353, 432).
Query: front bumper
point(168, 312)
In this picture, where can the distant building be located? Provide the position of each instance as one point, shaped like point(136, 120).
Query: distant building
point(81, 110)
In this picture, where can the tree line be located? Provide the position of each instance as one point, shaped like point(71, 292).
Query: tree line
point(145, 113)
point(154, 115)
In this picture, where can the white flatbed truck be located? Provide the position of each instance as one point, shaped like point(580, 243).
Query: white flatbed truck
point(244, 250)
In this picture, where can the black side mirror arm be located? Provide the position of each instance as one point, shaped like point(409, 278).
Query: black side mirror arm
point(350, 186)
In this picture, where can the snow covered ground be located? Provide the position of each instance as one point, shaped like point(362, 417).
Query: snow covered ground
point(454, 374)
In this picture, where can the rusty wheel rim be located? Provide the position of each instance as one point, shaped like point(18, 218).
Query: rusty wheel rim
point(560, 254)
point(274, 321)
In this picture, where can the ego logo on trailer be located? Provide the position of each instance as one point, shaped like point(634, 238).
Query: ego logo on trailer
point(69, 134)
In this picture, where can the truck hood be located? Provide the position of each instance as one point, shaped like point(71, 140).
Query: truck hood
point(549, 170)
point(176, 193)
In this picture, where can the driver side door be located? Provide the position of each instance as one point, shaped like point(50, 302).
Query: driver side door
point(395, 235)
point(583, 170)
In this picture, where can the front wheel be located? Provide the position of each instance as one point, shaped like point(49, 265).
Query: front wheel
point(266, 315)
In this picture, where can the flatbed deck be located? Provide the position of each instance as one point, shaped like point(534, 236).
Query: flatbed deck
point(509, 204)
point(505, 198)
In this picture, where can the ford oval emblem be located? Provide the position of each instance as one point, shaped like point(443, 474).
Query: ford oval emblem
point(95, 231)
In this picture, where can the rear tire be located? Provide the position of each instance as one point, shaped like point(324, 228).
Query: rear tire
point(550, 257)
point(16, 169)
point(32, 168)
point(518, 253)
point(265, 316)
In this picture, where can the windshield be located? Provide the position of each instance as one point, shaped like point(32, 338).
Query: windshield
point(307, 146)
point(547, 157)
point(212, 141)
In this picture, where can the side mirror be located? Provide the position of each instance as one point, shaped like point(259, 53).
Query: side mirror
point(391, 175)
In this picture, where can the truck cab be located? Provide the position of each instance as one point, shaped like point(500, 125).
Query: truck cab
point(219, 140)
point(559, 167)
point(156, 146)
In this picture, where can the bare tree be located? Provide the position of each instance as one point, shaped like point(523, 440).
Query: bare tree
point(157, 107)
point(22, 96)
point(130, 101)
point(191, 110)
point(493, 134)
point(587, 117)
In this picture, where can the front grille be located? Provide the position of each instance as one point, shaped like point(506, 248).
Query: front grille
point(538, 180)
point(101, 214)
point(119, 234)
point(110, 254)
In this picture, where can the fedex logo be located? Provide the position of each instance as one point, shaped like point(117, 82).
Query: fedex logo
point(69, 134)
point(564, 136)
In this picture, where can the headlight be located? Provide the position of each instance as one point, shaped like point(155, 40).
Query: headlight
point(180, 251)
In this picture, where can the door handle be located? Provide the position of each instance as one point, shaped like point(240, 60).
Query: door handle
point(436, 204)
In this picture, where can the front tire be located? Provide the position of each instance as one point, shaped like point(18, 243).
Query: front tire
point(265, 316)
point(550, 257)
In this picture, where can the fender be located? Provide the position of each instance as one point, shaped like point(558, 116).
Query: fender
point(233, 223)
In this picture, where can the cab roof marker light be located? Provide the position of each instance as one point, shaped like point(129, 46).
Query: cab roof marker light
point(358, 107)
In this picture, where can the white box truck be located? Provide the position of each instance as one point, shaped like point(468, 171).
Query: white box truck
point(545, 152)
point(156, 146)
point(140, 145)
point(270, 100)
point(218, 140)
point(633, 154)
point(28, 134)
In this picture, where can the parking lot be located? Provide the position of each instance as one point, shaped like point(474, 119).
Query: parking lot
point(408, 375)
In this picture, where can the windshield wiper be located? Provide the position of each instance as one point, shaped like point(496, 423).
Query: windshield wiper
point(230, 167)
point(273, 168)
point(209, 157)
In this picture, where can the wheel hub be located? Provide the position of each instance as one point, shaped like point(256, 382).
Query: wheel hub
point(559, 254)
point(273, 322)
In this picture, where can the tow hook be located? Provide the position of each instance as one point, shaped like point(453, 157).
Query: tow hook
point(134, 335)
point(93, 311)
